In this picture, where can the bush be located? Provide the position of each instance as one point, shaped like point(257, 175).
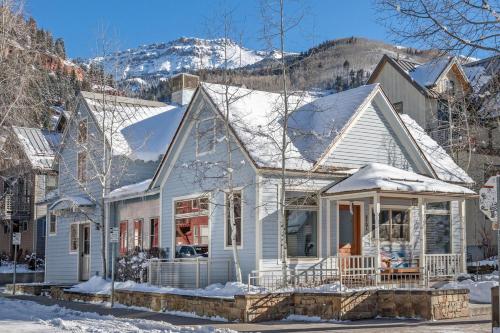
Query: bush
point(34, 263)
point(134, 265)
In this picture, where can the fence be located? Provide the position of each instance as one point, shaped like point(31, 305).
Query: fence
point(443, 265)
point(189, 273)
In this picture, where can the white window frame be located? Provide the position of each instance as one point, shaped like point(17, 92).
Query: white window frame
point(318, 224)
point(55, 224)
point(78, 166)
point(226, 193)
point(77, 225)
point(443, 212)
point(408, 210)
point(198, 122)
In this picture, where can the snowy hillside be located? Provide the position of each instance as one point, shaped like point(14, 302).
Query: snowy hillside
point(161, 60)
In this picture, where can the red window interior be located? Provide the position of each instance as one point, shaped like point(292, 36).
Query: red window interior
point(138, 234)
point(154, 232)
point(123, 237)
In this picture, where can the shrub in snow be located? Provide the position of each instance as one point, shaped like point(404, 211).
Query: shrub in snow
point(34, 263)
point(133, 265)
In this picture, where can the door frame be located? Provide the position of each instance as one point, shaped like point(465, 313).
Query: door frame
point(361, 223)
point(82, 225)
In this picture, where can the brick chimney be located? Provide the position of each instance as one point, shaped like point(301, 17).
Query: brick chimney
point(183, 87)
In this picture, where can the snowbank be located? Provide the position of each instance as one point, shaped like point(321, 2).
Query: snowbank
point(480, 291)
point(8, 267)
point(97, 285)
point(492, 261)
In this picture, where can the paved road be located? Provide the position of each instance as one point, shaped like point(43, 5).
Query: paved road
point(473, 325)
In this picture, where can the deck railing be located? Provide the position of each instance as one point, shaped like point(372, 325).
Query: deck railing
point(443, 265)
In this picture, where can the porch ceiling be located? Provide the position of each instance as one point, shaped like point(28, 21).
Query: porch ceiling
point(378, 178)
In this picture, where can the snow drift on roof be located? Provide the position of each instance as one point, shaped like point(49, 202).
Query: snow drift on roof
point(139, 129)
point(442, 163)
point(427, 74)
point(375, 176)
point(128, 190)
point(257, 118)
point(38, 145)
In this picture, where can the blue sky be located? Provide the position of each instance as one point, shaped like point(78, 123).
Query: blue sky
point(132, 23)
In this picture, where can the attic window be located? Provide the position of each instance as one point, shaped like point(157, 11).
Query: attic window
point(398, 107)
point(205, 136)
point(82, 131)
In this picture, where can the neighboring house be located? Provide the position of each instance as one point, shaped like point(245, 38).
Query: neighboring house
point(431, 93)
point(132, 135)
point(24, 180)
point(348, 152)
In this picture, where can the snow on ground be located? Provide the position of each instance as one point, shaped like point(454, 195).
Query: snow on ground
point(492, 261)
point(25, 316)
point(97, 285)
point(480, 291)
point(8, 267)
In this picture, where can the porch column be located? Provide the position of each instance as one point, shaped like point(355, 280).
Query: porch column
point(376, 213)
point(421, 210)
point(463, 244)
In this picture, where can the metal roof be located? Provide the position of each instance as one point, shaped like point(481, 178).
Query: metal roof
point(38, 145)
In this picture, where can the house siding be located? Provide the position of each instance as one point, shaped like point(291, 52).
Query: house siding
point(188, 177)
point(371, 139)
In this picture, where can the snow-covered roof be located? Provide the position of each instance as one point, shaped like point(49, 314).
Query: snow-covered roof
point(71, 202)
point(385, 178)
point(257, 118)
point(38, 145)
point(130, 190)
point(428, 73)
point(444, 166)
point(139, 129)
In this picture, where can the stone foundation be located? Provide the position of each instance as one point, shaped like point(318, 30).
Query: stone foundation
point(422, 304)
point(60, 293)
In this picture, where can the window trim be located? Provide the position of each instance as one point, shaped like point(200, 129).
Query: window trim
point(316, 208)
point(84, 180)
point(226, 245)
point(202, 153)
point(150, 234)
point(120, 248)
point(55, 224)
point(138, 221)
point(81, 120)
point(408, 210)
point(77, 225)
point(441, 212)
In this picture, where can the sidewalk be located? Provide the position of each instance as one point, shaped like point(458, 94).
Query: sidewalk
point(472, 325)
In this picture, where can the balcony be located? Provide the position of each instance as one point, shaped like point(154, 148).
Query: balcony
point(15, 206)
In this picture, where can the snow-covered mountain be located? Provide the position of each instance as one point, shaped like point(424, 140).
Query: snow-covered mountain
point(161, 60)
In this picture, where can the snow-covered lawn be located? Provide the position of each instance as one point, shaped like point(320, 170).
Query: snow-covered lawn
point(18, 316)
point(8, 267)
point(480, 291)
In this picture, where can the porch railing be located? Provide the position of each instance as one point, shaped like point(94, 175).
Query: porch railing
point(443, 265)
point(189, 273)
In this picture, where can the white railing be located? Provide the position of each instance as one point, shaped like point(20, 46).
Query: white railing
point(443, 265)
point(189, 273)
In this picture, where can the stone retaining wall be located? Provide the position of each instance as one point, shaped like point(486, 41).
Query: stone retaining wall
point(423, 304)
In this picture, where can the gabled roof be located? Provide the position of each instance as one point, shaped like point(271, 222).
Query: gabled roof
point(385, 178)
point(139, 129)
point(423, 76)
point(38, 145)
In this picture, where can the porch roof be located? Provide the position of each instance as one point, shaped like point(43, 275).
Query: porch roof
point(71, 202)
point(384, 178)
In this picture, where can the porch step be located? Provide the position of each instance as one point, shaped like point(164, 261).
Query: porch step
point(479, 309)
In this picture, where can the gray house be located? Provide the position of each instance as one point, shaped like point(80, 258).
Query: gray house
point(110, 142)
point(360, 182)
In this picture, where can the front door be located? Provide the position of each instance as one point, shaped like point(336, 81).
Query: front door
point(349, 230)
point(84, 252)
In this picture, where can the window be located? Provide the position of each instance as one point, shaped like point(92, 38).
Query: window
point(237, 219)
point(153, 234)
point(138, 234)
point(82, 166)
point(24, 225)
point(73, 237)
point(301, 214)
point(205, 137)
point(398, 107)
point(123, 237)
point(443, 115)
point(82, 131)
point(394, 225)
point(191, 221)
point(438, 239)
point(52, 224)
point(50, 182)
